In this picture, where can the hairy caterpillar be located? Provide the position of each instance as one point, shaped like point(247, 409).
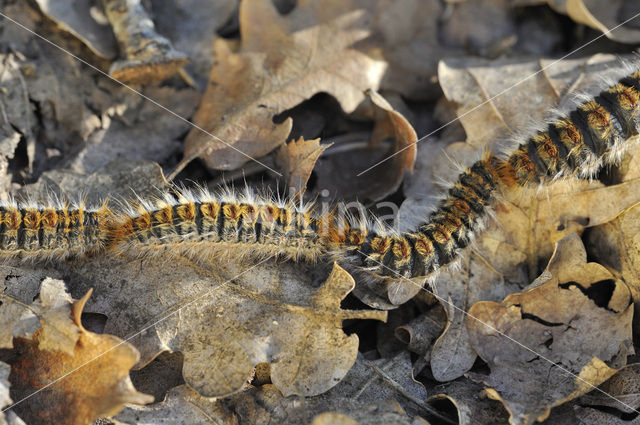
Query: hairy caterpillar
point(576, 143)
point(201, 224)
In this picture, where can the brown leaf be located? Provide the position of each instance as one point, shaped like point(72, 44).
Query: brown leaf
point(282, 61)
point(624, 386)
point(230, 320)
point(495, 97)
point(576, 316)
point(297, 159)
point(472, 409)
point(366, 395)
point(606, 17)
point(616, 245)
point(196, 30)
point(77, 18)
point(341, 174)
point(70, 375)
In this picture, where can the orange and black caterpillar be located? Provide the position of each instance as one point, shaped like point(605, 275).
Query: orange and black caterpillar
point(200, 224)
point(55, 231)
point(580, 142)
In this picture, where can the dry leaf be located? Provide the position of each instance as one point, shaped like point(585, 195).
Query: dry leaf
point(195, 31)
point(502, 98)
point(5, 400)
point(297, 159)
point(624, 386)
point(617, 245)
point(366, 395)
point(282, 61)
point(472, 409)
point(341, 174)
point(576, 315)
point(262, 405)
point(9, 139)
point(228, 319)
point(601, 409)
point(603, 16)
point(95, 367)
point(84, 21)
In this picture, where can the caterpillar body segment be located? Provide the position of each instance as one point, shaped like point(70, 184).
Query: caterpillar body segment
point(582, 141)
point(207, 226)
point(53, 231)
point(437, 241)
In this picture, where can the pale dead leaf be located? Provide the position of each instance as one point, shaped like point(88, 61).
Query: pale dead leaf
point(579, 318)
point(56, 349)
point(606, 17)
point(227, 319)
point(282, 61)
point(79, 19)
point(366, 395)
point(515, 94)
point(297, 159)
point(195, 31)
point(420, 333)
point(624, 386)
point(257, 406)
point(5, 399)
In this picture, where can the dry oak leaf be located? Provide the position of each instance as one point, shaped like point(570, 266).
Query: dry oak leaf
point(616, 244)
point(341, 175)
point(576, 316)
point(297, 159)
point(258, 405)
point(367, 394)
point(227, 319)
point(282, 61)
point(94, 368)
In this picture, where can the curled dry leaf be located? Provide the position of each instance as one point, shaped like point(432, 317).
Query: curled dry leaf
point(472, 408)
point(342, 174)
point(624, 386)
point(556, 341)
point(70, 375)
point(282, 61)
point(84, 21)
point(607, 17)
point(297, 159)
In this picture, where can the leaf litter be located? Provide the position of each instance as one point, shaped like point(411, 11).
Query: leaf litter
point(285, 342)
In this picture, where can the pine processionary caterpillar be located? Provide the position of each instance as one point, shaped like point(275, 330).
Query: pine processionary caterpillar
point(200, 224)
